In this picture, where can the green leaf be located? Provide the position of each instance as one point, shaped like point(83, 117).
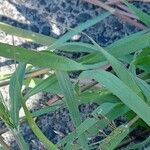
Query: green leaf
point(41, 59)
point(119, 48)
point(47, 109)
point(116, 136)
point(143, 61)
point(14, 92)
point(122, 91)
point(98, 98)
point(143, 58)
point(91, 124)
point(15, 87)
point(77, 30)
point(77, 47)
point(88, 123)
point(36, 130)
point(67, 90)
point(144, 17)
point(71, 101)
point(49, 84)
point(77, 88)
point(4, 112)
point(113, 114)
point(28, 35)
point(145, 88)
point(119, 69)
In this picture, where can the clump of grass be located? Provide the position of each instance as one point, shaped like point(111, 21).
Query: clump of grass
point(123, 91)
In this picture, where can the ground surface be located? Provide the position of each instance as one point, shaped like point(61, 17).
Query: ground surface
point(51, 17)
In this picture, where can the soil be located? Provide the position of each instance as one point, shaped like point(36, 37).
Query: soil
point(51, 17)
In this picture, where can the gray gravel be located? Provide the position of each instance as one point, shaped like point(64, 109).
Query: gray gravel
point(50, 17)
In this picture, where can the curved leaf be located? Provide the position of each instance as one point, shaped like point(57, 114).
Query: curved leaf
point(121, 90)
point(14, 92)
point(42, 59)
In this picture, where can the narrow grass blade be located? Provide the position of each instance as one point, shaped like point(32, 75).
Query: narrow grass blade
point(49, 84)
point(113, 114)
point(99, 98)
point(121, 90)
point(41, 59)
point(112, 140)
point(28, 35)
point(71, 102)
point(77, 30)
point(143, 58)
point(145, 88)
point(37, 38)
point(4, 112)
point(67, 90)
point(144, 17)
point(14, 92)
point(90, 123)
point(20, 140)
point(119, 69)
point(83, 98)
point(40, 85)
point(16, 82)
point(77, 47)
point(47, 109)
point(36, 130)
point(119, 48)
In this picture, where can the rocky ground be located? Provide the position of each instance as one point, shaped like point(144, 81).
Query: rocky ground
point(51, 17)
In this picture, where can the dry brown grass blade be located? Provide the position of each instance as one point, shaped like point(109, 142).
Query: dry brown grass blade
point(111, 2)
point(128, 14)
point(101, 4)
point(121, 14)
point(123, 7)
point(133, 22)
point(54, 99)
